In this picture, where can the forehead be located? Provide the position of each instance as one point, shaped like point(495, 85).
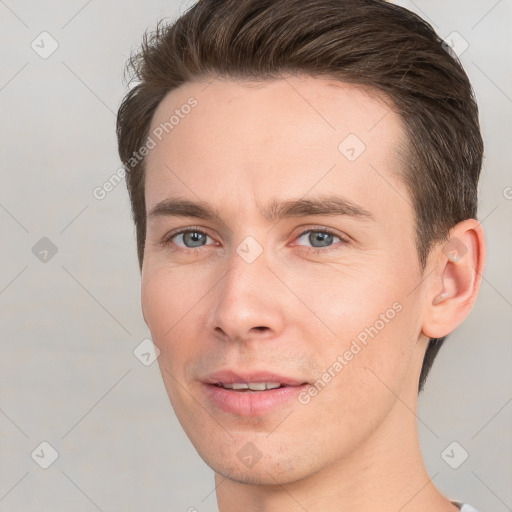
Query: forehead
point(293, 106)
point(283, 137)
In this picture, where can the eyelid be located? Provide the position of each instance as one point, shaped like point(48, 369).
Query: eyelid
point(167, 238)
point(323, 229)
point(344, 239)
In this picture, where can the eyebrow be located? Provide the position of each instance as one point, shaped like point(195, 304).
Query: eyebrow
point(322, 205)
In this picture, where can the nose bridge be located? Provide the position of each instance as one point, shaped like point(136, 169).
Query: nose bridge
point(246, 298)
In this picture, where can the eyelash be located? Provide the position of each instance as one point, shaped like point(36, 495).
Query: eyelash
point(167, 239)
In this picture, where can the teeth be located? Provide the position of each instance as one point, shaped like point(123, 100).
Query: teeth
point(260, 386)
point(254, 386)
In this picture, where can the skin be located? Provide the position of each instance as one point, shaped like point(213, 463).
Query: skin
point(355, 445)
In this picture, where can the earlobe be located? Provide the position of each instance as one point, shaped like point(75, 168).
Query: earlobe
point(455, 281)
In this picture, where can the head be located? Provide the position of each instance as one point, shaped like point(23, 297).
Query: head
point(244, 105)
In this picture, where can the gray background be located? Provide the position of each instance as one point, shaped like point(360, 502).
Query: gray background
point(69, 325)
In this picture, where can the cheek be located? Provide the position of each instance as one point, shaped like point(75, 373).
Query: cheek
point(176, 301)
point(158, 302)
point(360, 375)
point(346, 299)
point(166, 301)
point(374, 324)
point(168, 305)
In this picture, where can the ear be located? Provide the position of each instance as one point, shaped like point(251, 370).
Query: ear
point(455, 280)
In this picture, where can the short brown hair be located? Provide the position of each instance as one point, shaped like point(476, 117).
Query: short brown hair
point(372, 43)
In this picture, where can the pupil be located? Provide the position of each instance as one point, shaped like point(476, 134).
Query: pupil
point(318, 236)
point(194, 238)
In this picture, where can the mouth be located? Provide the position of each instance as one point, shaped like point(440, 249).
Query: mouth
point(253, 380)
point(251, 393)
point(254, 387)
point(250, 399)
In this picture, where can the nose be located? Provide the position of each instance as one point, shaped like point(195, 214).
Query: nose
point(249, 301)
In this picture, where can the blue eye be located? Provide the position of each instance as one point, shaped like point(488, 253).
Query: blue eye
point(319, 240)
point(322, 238)
point(190, 238)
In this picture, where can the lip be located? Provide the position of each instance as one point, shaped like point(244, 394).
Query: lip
point(230, 377)
point(251, 403)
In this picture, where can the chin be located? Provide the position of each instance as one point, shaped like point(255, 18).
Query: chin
point(268, 470)
point(256, 476)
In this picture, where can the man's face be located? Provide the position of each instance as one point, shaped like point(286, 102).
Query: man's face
point(305, 291)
